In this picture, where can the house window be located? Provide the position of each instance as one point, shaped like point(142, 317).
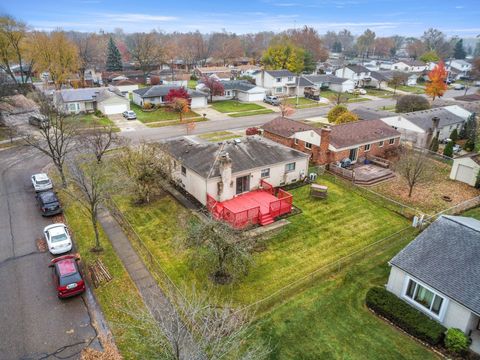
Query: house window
point(228, 93)
point(290, 167)
point(380, 144)
point(279, 90)
point(428, 299)
point(295, 141)
point(290, 78)
point(265, 173)
point(367, 147)
point(73, 106)
point(391, 141)
point(308, 145)
point(279, 79)
point(184, 170)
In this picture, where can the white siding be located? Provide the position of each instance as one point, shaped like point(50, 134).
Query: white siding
point(309, 136)
point(459, 164)
point(198, 102)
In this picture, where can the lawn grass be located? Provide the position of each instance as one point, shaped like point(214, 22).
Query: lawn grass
point(427, 197)
point(388, 108)
point(173, 122)
point(118, 294)
point(160, 114)
point(301, 101)
point(229, 106)
point(192, 84)
point(358, 99)
point(329, 320)
point(332, 96)
point(379, 93)
point(219, 136)
point(88, 120)
point(475, 213)
point(411, 89)
point(251, 113)
point(324, 232)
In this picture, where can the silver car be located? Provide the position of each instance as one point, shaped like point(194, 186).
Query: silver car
point(129, 115)
point(41, 182)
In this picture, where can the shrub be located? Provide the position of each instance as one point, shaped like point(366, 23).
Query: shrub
point(454, 135)
point(477, 182)
point(98, 113)
point(410, 103)
point(251, 131)
point(448, 151)
point(335, 112)
point(434, 144)
point(147, 105)
point(194, 77)
point(469, 145)
point(456, 341)
point(409, 319)
point(346, 117)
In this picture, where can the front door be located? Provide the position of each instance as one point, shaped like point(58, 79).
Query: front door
point(243, 184)
point(353, 154)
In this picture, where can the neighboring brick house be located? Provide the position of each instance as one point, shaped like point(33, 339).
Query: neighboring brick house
point(332, 144)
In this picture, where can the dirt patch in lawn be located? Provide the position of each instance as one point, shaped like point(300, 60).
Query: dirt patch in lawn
point(438, 194)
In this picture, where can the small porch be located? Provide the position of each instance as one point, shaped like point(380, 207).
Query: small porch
point(260, 206)
point(363, 174)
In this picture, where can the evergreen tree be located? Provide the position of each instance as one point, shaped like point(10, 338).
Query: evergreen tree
point(448, 151)
point(459, 52)
point(337, 47)
point(434, 144)
point(454, 135)
point(114, 58)
point(309, 63)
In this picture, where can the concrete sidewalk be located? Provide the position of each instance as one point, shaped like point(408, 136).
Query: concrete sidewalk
point(153, 297)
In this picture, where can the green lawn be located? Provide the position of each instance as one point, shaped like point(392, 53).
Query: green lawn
point(192, 84)
point(301, 101)
point(332, 96)
point(160, 114)
point(219, 136)
point(379, 93)
point(229, 106)
point(251, 113)
point(88, 120)
point(411, 89)
point(120, 293)
point(173, 122)
point(330, 321)
point(324, 232)
point(475, 213)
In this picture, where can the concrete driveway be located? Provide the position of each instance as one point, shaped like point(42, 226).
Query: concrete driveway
point(126, 125)
point(34, 323)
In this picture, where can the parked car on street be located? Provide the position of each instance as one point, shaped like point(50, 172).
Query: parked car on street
point(41, 182)
point(66, 276)
point(58, 239)
point(48, 203)
point(39, 120)
point(459, 87)
point(272, 100)
point(129, 115)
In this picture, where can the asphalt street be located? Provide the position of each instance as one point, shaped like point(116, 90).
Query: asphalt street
point(34, 323)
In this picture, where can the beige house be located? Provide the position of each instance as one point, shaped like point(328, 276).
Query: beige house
point(466, 168)
point(437, 273)
point(234, 167)
point(107, 100)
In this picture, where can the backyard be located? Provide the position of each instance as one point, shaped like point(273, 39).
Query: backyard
point(324, 232)
point(329, 320)
point(158, 115)
point(427, 197)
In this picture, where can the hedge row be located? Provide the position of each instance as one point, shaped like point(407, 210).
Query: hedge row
point(409, 319)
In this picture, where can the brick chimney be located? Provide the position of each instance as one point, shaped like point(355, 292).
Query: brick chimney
point(432, 131)
point(323, 157)
point(225, 167)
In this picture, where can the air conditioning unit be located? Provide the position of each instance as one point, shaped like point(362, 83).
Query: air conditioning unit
point(312, 176)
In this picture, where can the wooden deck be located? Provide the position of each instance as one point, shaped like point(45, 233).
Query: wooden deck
point(371, 174)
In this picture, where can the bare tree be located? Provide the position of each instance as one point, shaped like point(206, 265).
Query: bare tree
point(192, 328)
point(146, 50)
point(414, 166)
point(144, 166)
point(55, 140)
point(90, 50)
point(286, 108)
point(221, 249)
point(90, 185)
point(100, 139)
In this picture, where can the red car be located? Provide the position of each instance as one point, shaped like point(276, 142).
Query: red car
point(66, 276)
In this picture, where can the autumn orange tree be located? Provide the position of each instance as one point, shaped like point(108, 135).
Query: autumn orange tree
point(178, 101)
point(436, 87)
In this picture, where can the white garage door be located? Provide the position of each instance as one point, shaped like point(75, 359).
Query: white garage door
point(115, 109)
point(465, 174)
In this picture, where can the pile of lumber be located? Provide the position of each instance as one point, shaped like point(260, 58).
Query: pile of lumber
point(99, 273)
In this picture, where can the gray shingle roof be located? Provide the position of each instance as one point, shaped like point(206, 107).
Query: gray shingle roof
point(86, 94)
point(325, 79)
point(445, 257)
point(242, 85)
point(304, 82)
point(358, 68)
point(162, 90)
point(279, 73)
point(365, 113)
point(250, 153)
point(423, 118)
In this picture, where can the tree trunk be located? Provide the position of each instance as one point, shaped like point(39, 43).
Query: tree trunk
point(95, 229)
point(62, 175)
point(410, 190)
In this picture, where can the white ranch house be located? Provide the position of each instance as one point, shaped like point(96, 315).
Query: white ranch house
point(437, 273)
point(240, 90)
point(157, 95)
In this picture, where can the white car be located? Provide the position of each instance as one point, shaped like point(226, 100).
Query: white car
point(58, 239)
point(41, 182)
point(129, 115)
